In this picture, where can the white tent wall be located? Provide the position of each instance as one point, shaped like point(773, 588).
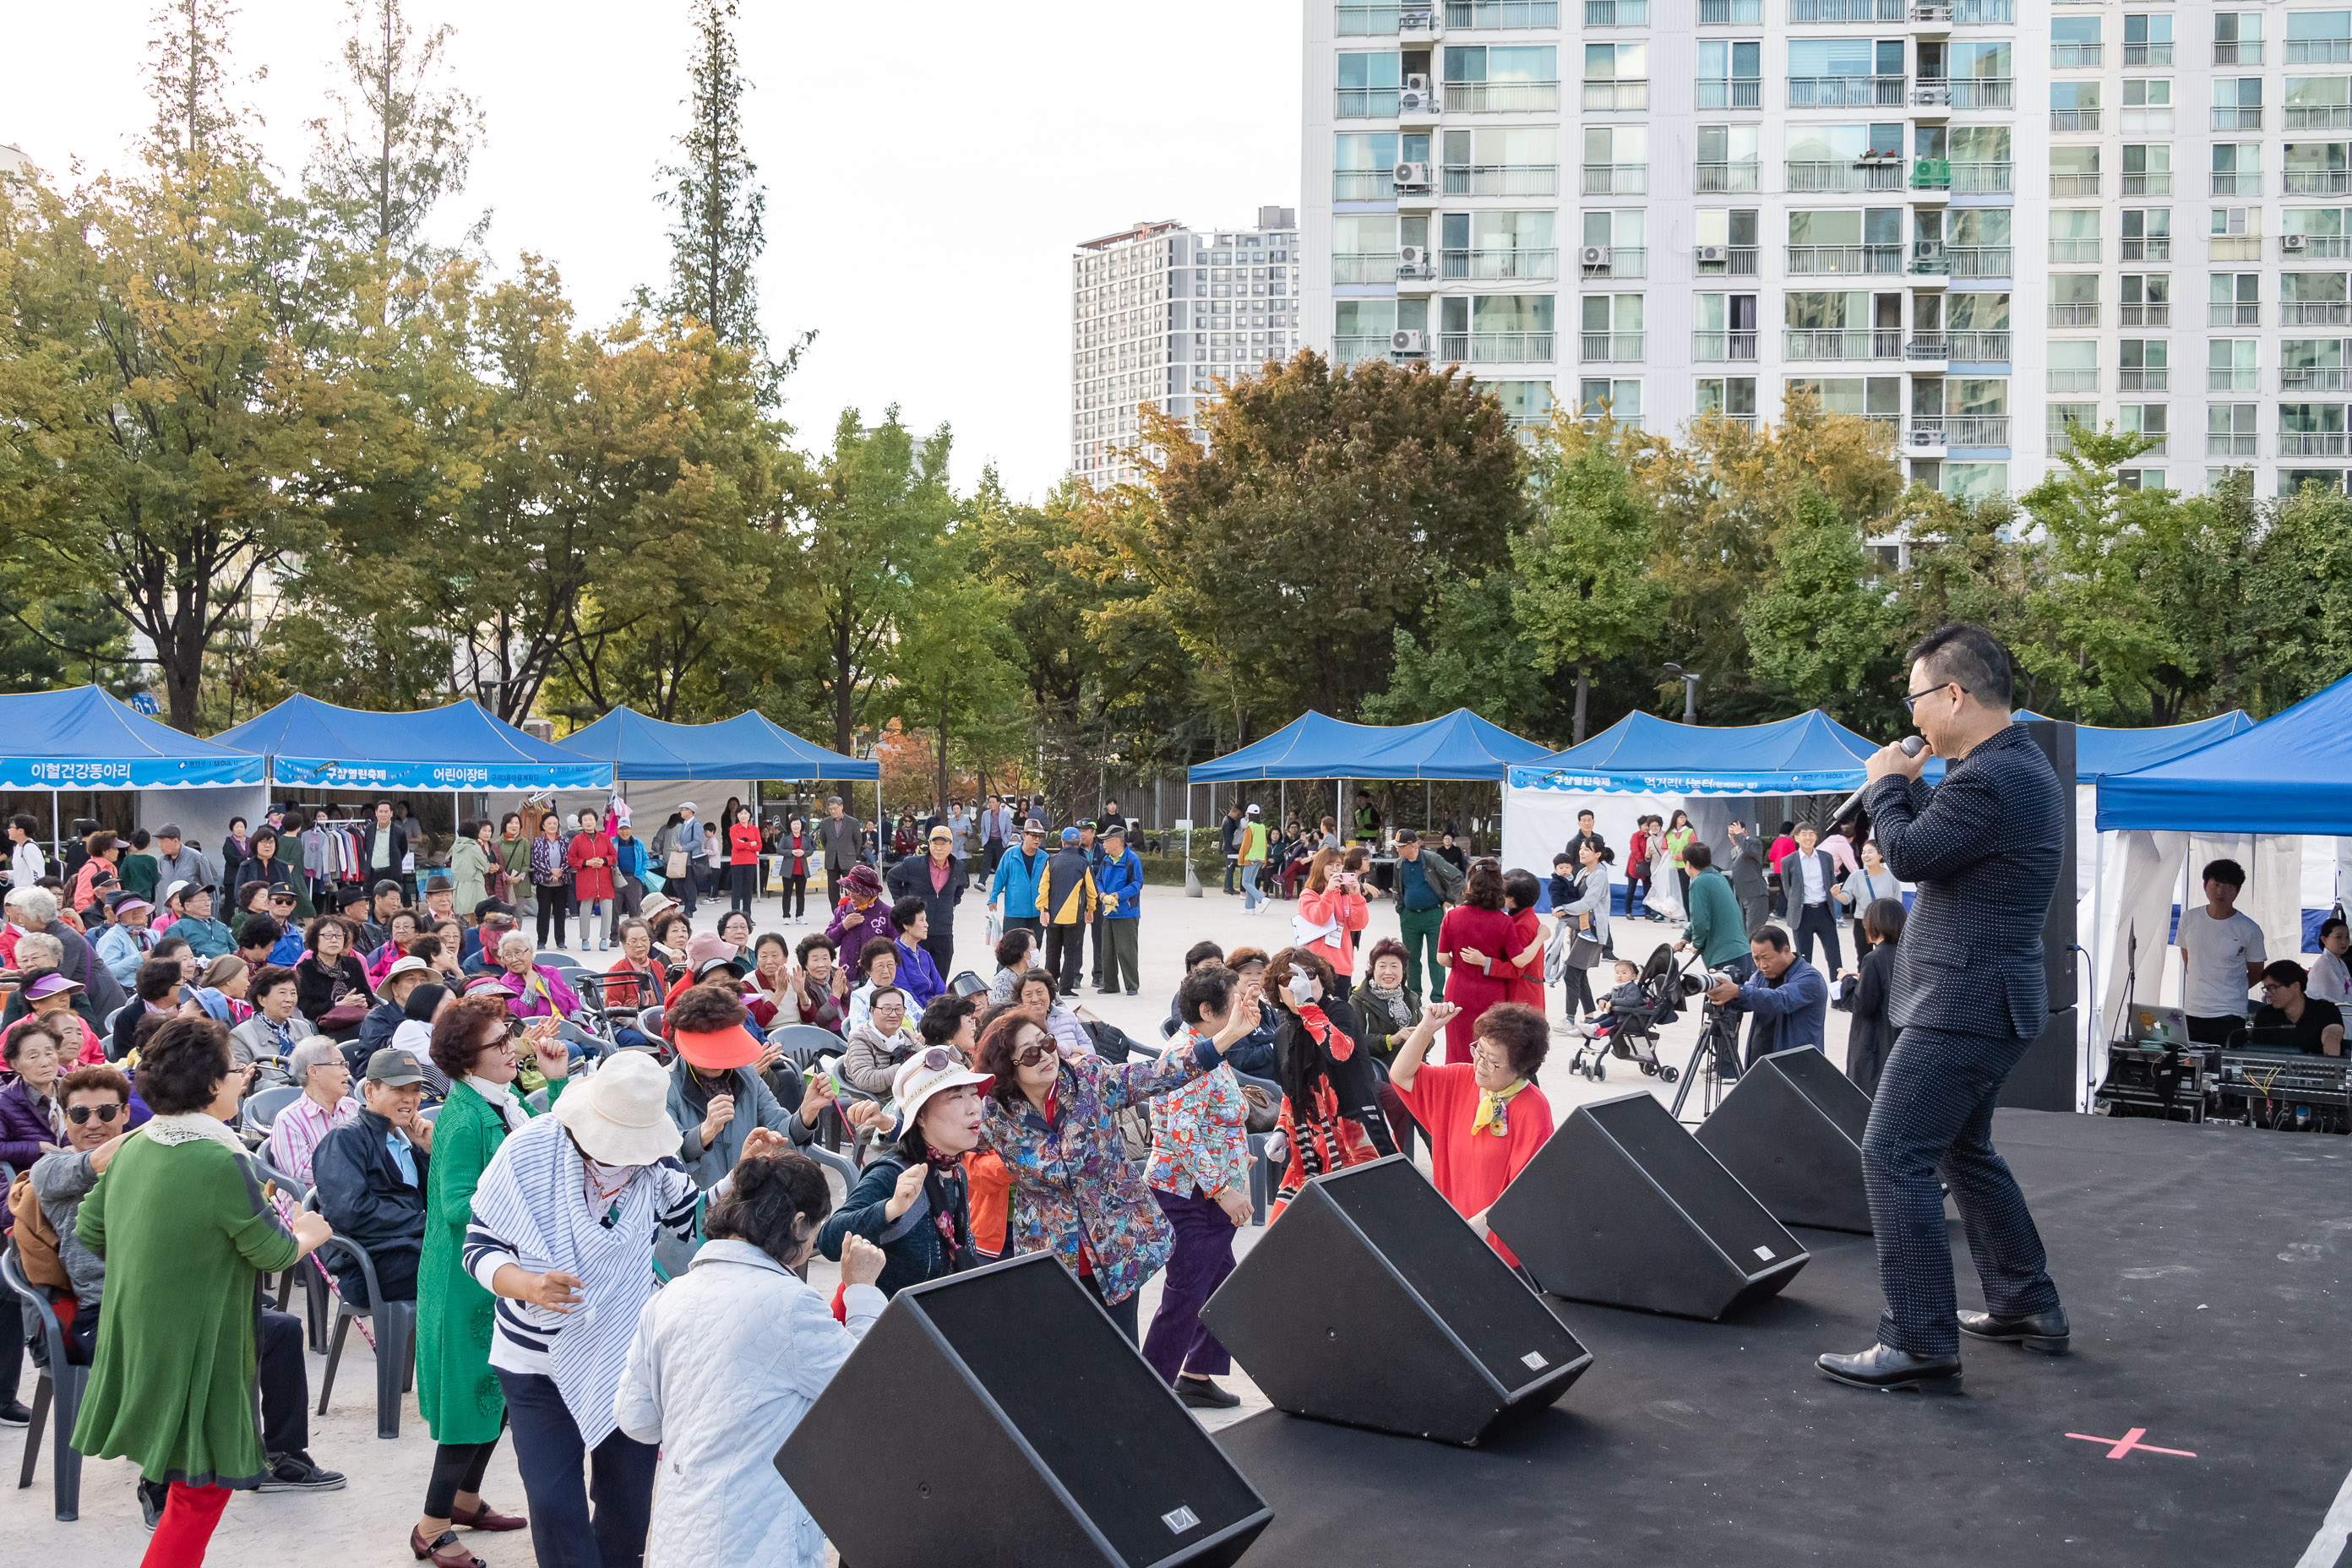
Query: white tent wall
point(203, 814)
point(1539, 823)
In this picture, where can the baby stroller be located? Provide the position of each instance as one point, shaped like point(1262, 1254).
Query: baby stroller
point(1632, 1033)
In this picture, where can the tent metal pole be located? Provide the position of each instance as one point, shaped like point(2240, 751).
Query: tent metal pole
point(57, 839)
point(2098, 989)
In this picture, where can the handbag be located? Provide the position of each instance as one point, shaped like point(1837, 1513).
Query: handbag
point(1264, 1110)
point(1583, 953)
point(674, 866)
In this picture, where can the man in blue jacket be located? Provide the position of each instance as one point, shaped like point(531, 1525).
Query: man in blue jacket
point(1118, 881)
point(1786, 997)
point(1013, 893)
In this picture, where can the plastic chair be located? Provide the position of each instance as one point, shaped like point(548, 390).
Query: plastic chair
point(396, 1336)
point(1265, 1176)
point(558, 961)
point(61, 1384)
point(259, 1111)
point(537, 1100)
point(314, 1286)
point(428, 1114)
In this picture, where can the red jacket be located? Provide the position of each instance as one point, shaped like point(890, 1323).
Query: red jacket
point(590, 882)
point(743, 844)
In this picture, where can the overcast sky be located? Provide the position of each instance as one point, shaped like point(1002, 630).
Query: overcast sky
point(929, 164)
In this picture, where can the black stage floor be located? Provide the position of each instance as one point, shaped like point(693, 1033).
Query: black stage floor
point(2204, 1269)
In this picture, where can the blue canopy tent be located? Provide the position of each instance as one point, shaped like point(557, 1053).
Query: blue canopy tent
point(749, 746)
point(2099, 752)
point(2286, 774)
point(1461, 746)
point(1811, 753)
point(460, 747)
point(83, 738)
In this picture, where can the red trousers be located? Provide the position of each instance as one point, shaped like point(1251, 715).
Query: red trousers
point(190, 1514)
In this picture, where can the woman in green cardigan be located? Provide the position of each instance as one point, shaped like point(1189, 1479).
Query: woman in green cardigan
point(179, 1219)
point(456, 1391)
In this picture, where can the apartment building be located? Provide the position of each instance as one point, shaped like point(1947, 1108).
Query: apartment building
point(1977, 220)
point(1159, 311)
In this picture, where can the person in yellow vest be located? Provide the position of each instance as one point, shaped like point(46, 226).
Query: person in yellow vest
point(1250, 843)
point(1067, 902)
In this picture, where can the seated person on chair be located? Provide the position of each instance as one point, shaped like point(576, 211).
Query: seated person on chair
point(1627, 994)
point(371, 1179)
point(315, 1066)
point(276, 1026)
point(1786, 997)
point(2319, 1024)
point(535, 991)
point(96, 1101)
point(391, 1009)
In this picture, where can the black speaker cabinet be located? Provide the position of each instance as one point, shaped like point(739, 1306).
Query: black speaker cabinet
point(1370, 1302)
point(2048, 1076)
point(2057, 739)
point(1622, 1206)
point(1000, 1417)
point(1790, 1129)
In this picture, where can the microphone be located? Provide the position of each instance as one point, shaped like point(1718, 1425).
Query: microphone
point(1912, 746)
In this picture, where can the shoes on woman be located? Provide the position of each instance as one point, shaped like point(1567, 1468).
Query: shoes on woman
point(484, 1517)
point(442, 1552)
point(1203, 1394)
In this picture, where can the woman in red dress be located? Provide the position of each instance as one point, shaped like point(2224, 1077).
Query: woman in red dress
point(1473, 943)
point(1520, 891)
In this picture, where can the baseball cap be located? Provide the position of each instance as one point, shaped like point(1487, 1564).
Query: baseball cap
point(1033, 826)
point(1407, 835)
point(940, 833)
point(1254, 810)
point(492, 906)
point(1069, 835)
point(182, 889)
point(281, 893)
point(394, 1068)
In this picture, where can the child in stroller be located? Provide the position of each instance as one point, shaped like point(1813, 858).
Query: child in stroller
point(1627, 1026)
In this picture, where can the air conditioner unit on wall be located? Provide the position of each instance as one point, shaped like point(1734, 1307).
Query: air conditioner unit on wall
point(2291, 242)
point(1406, 345)
point(1715, 253)
point(1412, 176)
point(1412, 262)
point(1594, 257)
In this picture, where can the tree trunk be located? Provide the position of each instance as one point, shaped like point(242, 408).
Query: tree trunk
point(1583, 691)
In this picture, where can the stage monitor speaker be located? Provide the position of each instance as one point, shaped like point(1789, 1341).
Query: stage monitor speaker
point(1624, 1208)
point(1000, 1417)
point(2057, 739)
point(2048, 1076)
point(1790, 1129)
point(1370, 1302)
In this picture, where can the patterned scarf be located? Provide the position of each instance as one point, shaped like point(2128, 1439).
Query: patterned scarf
point(1318, 1024)
point(1494, 1110)
point(944, 1185)
point(1393, 1000)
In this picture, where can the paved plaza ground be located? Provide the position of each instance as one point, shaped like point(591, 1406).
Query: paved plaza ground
point(366, 1524)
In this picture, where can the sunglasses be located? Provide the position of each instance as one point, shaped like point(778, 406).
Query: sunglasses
point(939, 1058)
point(1030, 1056)
point(78, 1114)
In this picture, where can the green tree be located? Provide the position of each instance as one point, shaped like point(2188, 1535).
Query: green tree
point(1474, 654)
point(399, 140)
point(2104, 643)
point(1588, 593)
point(1822, 620)
point(954, 664)
point(2299, 592)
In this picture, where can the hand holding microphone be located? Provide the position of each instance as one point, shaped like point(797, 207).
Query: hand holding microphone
point(1907, 757)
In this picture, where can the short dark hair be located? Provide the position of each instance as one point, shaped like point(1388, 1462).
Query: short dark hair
point(767, 1199)
point(2229, 873)
point(1522, 1032)
point(1965, 653)
point(1884, 918)
point(139, 839)
point(704, 1009)
point(1205, 987)
point(258, 930)
point(1387, 947)
point(810, 943)
point(877, 948)
point(169, 944)
point(1771, 936)
point(1483, 888)
point(460, 1035)
point(95, 1079)
point(181, 1068)
point(1036, 977)
point(1012, 945)
point(903, 913)
point(901, 992)
point(2333, 923)
point(2285, 971)
point(1698, 857)
point(12, 1045)
point(1520, 888)
point(268, 978)
point(1199, 953)
point(945, 1016)
point(157, 978)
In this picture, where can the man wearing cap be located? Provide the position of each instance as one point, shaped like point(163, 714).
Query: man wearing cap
point(719, 1093)
point(841, 837)
point(440, 899)
point(628, 871)
point(1012, 895)
point(1250, 849)
point(376, 1029)
point(938, 880)
point(190, 904)
point(863, 914)
point(174, 861)
point(369, 1176)
point(1067, 903)
point(1426, 884)
point(125, 940)
point(1119, 935)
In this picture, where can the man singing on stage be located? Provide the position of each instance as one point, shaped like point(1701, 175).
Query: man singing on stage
point(1968, 994)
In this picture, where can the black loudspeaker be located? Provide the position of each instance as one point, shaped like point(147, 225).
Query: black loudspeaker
point(1000, 1417)
point(1370, 1302)
point(1622, 1206)
point(1790, 1129)
point(2057, 739)
point(2048, 1077)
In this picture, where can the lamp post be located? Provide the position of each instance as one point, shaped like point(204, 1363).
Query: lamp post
point(1690, 692)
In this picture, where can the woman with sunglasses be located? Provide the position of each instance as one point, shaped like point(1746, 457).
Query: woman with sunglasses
point(1054, 1123)
point(913, 1200)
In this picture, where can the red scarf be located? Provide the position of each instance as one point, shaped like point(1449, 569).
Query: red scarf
point(1318, 1024)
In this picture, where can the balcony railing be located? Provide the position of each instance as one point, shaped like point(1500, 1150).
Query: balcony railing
point(2144, 314)
point(2158, 248)
point(2311, 443)
point(1982, 179)
point(1821, 260)
point(2228, 444)
point(1837, 343)
point(2249, 183)
point(1730, 12)
point(2075, 250)
point(1616, 179)
point(1366, 104)
point(2147, 55)
point(1365, 21)
point(2230, 313)
point(1846, 91)
point(2154, 183)
point(2318, 182)
point(2319, 116)
point(1715, 347)
point(2315, 244)
point(2074, 381)
point(1730, 260)
point(1501, 179)
point(1497, 348)
point(1977, 347)
point(1501, 264)
point(1960, 430)
point(1931, 175)
point(1501, 97)
point(1364, 267)
point(2314, 312)
point(2144, 380)
point(1724, 177)
point(1357, 348)
point(1868, 174)
point(2074, 56)
point(1983, 13)
point(1845, 10)
point(2246, 52)
point(1485, 15)
point(1616, 97)
point(2238, 116)
point(1984, 92)
point(2073, 120)
point(1730, 93)
point(1623, 261)
point(1931, 92)
point(2233, 248)
point(1981, 260)
point(2318, 51)
point(2142, 120)
point(2229, 378)
point(2074, 315)
point(1616, 12)
point(2074, 184)
point(1612, 348)
point(1934, 346)
point(2314, 378)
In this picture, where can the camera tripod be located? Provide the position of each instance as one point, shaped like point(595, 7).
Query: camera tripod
point(1718, 1034)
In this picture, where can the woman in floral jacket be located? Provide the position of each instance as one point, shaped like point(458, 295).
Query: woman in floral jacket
point(1054, 1122)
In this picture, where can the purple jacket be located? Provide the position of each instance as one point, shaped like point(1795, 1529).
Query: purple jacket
point(534, 1003)
point(23, 1127)
point(852, 931)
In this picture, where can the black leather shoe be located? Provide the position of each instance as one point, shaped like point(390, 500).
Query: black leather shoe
point(2043, 1331)
point(1893, 1370)
point(1203, 1394)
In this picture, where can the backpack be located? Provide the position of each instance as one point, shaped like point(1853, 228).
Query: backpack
point(36, 1240)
